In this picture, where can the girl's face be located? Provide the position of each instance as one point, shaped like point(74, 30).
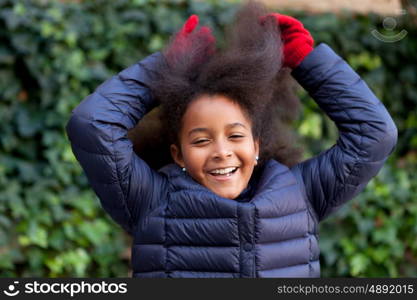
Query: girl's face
point(217, 146)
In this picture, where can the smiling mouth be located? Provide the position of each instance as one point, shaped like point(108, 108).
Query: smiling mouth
point(224, 171)
point(223, 174)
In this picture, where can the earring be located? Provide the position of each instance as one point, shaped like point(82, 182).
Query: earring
point(183, 169)
point(256, 158)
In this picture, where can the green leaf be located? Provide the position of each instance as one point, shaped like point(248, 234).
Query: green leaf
point(359, 263)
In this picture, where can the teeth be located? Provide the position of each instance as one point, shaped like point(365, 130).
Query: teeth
point(223, 171)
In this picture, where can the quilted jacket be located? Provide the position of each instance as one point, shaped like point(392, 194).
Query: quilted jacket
point(182, 229)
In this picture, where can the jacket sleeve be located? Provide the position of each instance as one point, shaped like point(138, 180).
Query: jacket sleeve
point(97, 130)
point(367, 133)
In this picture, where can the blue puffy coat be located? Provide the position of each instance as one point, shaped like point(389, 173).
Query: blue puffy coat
point(182, 229)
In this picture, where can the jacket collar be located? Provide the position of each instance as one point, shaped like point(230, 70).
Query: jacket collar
point(261, 181)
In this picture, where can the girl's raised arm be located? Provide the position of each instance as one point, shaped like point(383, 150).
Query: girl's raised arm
point(98, 130)
point(368, 134)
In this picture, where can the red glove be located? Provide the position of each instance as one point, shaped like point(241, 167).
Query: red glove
point(183, 42)
point(298, 42)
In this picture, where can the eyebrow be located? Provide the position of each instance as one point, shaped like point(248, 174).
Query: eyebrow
point(228, 126)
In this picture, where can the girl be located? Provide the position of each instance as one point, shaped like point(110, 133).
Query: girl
point(237, 202)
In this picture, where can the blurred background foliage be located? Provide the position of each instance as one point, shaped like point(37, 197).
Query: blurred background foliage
point(54, 53)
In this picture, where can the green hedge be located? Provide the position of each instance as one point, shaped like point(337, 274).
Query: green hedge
point(53, 54)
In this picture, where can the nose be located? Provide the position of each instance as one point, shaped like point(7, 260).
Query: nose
point(222, 150)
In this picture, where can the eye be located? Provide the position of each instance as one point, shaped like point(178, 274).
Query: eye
point(200, 141)
point(236, 136)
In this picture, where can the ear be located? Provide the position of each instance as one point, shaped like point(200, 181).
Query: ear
point(256, 144)
point(176, 155)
